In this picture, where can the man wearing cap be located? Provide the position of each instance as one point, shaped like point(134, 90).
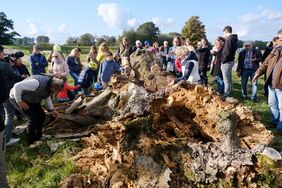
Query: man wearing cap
point(27, 95)
point(272, 66)
point(37, 61)
point(248, 63)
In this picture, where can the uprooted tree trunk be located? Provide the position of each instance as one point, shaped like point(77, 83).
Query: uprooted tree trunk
point(186, 136)
point(181, 137)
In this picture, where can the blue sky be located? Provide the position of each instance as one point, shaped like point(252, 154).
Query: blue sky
point(60, 19)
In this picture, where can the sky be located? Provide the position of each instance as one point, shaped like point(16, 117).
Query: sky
point(60, 19)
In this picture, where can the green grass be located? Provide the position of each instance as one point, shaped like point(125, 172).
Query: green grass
point(39, 167)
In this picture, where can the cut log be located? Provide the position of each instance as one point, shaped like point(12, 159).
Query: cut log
point(79, 119)
point(74, 105)
point(98, 100)
point(73, 135)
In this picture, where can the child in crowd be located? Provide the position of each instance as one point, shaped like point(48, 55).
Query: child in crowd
point(87, 77)
point(108, 68)
point(59, 65)
point(103, 49)
point(63, 96)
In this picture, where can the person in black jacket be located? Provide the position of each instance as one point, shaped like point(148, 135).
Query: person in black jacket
point(216, 71)
point(3, 97)
point(228, 56)
point(268, 49)
point(10, 78)
point(204, 60)
point(19, 66)
point(248, 63)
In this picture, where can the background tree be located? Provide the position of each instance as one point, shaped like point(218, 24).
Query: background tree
point(166, 37)
point(18, 41)
point(27, 41)
point(175, 34)
point(43, 39)
point(194, 30)
point(72, 41)
point(100, 40)
point(7, 35)
point(111, 41)
point(132, 36)
point(150, 29)
point(87, 39)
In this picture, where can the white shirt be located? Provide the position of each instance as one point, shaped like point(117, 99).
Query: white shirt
point(27, 85)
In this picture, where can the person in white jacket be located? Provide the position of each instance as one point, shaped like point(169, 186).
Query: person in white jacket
point(189, 65)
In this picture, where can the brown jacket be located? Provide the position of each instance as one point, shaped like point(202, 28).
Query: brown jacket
point(268, 66)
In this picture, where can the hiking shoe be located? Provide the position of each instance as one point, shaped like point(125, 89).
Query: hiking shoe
point(12, 141)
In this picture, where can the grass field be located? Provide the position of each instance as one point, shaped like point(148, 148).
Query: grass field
point(39, 167)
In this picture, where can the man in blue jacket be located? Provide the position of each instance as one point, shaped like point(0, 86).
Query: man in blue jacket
point(37, 61)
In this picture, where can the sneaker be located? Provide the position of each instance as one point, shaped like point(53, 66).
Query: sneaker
point(12, 141)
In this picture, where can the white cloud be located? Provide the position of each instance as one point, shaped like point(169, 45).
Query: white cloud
point(162, 23)
point(262, 24)
point(272, 15)
point(132, 23)
point(116, 17)
point(32, 27)
point(250, 17)
point(56, 34)
point(62, 28)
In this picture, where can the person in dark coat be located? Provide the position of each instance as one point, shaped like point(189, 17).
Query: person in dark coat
point(204, 60)
point(19, 66)
point(38, 62)
point(228, 56)
point(11, 77)
point(75, 66)
point(268, 49)
point(3, 97)
point(216, 71)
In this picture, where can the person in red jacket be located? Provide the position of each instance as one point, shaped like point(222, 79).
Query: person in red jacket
point(178, 64)
point(63, 96)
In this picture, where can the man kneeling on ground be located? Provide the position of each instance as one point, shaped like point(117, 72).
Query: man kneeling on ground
point(27, 95)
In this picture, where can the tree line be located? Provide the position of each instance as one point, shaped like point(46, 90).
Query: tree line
point(193, 29)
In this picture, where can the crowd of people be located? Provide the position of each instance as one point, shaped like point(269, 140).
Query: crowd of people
point(22, 92)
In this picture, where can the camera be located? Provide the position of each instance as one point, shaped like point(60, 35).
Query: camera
point(11, 58)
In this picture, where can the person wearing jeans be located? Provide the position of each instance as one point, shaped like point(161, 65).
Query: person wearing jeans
point(216, 64)
point(228, 56)
point(226, 69)
point(248, 63)
point(272, 66)
point(246, 74)
point(75, 66)
point(10, 78)
point(275, 104)
point(9, 118)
